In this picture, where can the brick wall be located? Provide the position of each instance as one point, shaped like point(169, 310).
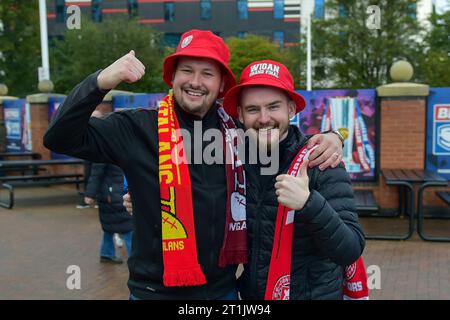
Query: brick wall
point(402, 145)
point(39, 124)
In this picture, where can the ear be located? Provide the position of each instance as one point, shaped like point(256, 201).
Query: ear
point(239, 110)
point(292, 108)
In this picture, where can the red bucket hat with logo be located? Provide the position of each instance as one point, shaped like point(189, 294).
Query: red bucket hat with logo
point(263, 73)
point(200, 44)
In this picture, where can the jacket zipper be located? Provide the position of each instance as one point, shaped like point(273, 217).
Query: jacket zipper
point(256, 247)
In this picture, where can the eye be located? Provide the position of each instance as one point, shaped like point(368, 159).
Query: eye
point(208, 74)
point(252, 110)
point(274, 107)
point(187, 71)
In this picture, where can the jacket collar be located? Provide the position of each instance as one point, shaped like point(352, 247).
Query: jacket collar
point(210, 120)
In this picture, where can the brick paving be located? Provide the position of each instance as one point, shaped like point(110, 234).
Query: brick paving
point(45, 233)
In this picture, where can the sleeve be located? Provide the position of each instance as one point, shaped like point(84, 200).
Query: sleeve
point(330, 216)
point(95, 180)
point(75, 133)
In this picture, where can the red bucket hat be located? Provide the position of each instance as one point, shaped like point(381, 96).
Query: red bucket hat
point(200, 44)
point(263, 73)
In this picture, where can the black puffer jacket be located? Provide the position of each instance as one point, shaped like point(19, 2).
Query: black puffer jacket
point(106, 184)
point(327, 234)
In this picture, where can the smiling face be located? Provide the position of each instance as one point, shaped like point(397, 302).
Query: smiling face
point(197, 83)
point(267, 111)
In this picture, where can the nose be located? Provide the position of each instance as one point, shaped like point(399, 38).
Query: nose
point(264, 117)
point(195, 80)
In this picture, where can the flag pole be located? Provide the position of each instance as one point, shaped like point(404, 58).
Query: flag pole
point(45, 73)
point(308, 47)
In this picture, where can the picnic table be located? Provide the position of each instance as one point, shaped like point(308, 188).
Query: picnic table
point(23, 169)
point(405, 180)
point(10, 182)
point(32, 155)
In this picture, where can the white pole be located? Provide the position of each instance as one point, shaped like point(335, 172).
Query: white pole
point(44, 40)
point(308, 48)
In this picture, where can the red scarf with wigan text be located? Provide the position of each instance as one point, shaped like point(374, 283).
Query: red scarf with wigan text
point(279, 278)
point(181, 267)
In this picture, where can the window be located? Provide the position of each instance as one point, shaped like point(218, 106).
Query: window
point(242, 8)
point(319, 9)
point(205, 9)
point(242, 34)
point(169, 11)
point(96, 6)
point(132, 8)
point(278, 9)
point(412, 11)
point(60, 11)
point(278, 37)
point(342, 11)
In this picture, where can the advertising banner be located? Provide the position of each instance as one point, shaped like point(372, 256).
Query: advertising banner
point(53, 105)
point(18, 125)
point(352, 110)
point(438, 132)
point(138, 100)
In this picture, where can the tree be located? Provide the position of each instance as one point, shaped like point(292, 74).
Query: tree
point(435, 62)
point(96, 45)
point(294, 58)
point(249, 49)
point(354, 56)
point(19, 46)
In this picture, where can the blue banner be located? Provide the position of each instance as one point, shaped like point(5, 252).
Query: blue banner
point(138, 100)
point(438, 132)
point(16, 114)
point(53, 104)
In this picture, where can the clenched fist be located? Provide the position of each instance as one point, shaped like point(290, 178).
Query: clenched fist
point(293, 191)
point(126, 69)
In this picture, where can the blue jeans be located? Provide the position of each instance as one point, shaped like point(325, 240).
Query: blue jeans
point(107, 248)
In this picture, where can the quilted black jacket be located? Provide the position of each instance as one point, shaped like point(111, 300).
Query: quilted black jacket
point(327, 234)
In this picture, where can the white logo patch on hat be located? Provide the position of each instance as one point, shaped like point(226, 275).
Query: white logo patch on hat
point(186, 41)
point(264, 68)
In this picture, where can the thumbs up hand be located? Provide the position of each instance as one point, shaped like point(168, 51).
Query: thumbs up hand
point(291, 191)
point(126, 69)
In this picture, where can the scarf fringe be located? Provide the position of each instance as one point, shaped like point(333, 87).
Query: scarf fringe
point(232, 257)
point(186, 277)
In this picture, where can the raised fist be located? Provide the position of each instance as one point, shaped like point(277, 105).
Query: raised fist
point(126, 69)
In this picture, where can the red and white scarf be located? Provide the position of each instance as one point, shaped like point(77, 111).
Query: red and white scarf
point(279, 278)
point(181, 267)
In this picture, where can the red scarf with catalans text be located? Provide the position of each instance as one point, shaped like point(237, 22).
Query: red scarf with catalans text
point(181, 267)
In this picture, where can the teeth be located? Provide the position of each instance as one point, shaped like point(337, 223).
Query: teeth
point(195, 94)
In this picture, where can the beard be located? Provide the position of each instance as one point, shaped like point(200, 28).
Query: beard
point(195, 101)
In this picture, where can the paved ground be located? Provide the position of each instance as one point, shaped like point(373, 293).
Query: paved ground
point(44, 234)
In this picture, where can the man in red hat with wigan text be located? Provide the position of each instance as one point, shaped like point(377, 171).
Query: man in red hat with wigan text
point(303, 230)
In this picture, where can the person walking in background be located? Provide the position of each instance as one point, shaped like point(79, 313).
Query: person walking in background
point(87, 172)
point(106, 184)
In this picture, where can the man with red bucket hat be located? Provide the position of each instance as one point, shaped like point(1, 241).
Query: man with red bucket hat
point(183, 245)
point(304, 237)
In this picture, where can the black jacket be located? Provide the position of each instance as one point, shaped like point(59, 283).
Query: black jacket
point(129, 139)
point(106, 184)
point(327, 234)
